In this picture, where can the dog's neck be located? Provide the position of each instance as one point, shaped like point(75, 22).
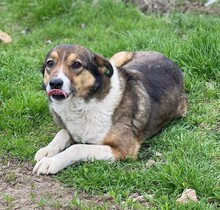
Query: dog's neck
point(94, 115)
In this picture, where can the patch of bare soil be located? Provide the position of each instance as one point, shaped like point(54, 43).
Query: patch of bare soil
point(19, 189)
point(199, 8)
point(167, 6)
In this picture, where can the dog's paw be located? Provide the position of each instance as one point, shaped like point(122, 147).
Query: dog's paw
point(45, 152)
point(47, 166)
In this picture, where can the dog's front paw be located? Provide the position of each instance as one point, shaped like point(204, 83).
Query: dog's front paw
point(47, 166)
point(45, 152)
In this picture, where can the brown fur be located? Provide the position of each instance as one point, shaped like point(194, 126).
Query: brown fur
point(84, 80)
point(143, 113)
point(121, 58)
point(83, 83)
point(152, 87)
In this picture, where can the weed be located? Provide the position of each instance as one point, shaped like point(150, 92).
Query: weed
point(42, 202)
point(56, 205)
point(8, 200)
point(32, 195)
point(10, 177)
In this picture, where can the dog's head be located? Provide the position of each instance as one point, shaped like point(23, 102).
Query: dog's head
point(72, 70)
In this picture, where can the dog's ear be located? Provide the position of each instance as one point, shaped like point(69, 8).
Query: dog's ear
point(43, 69)
point(104, 66)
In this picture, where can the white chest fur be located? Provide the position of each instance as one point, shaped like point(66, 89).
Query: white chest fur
point(90, 122)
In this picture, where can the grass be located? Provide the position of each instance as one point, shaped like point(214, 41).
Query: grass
point(190, 146)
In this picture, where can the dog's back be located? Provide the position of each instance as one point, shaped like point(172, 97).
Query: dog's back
point(163, 82)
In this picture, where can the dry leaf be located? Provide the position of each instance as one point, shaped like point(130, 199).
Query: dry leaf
point(5, 38)
point(188, 195)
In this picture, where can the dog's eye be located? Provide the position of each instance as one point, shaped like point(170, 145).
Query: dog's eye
point(50, 64)
point(76, 65)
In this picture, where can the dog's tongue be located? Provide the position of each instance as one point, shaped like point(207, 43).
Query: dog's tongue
point(57, 92)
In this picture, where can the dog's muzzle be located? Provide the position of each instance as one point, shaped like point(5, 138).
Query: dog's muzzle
point(56, 91)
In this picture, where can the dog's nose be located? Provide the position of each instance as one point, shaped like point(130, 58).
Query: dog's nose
point(56, 83)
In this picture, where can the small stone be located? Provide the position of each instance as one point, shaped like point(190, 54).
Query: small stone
point(150, 163)
point(113, 207)
point(158, 154)
point(147, 205)
point(5, 38)
point(25, 31)
point(136, 197)
point(149, 196)
point(83, 25)
point(48, 42)
point(188, 195)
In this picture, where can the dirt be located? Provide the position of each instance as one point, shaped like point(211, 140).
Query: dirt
point(22, 190)
point(164, 7)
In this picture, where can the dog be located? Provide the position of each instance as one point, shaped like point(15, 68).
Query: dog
point(106, 108)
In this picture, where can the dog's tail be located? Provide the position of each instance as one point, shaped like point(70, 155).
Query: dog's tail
point(121, 58)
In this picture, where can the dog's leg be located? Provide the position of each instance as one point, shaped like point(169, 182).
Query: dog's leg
point(78, 152)
point(119, 144)
point(123, 142)
point(59, 143)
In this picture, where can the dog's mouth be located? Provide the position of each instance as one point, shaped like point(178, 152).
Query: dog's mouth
point(57, 94)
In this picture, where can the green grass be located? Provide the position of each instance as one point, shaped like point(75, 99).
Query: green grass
point(190, 146)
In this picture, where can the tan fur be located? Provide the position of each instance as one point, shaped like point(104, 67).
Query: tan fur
point(71, 58)
point(121, 58)
point(123, 142)
point(46, 77)
point(83, 82)
point(49, 73)
point(55, 56)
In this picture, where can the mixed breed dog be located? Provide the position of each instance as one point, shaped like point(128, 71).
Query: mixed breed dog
point(106, 108)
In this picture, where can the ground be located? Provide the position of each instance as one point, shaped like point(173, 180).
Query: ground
point(20, 189)
point(166, 6)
